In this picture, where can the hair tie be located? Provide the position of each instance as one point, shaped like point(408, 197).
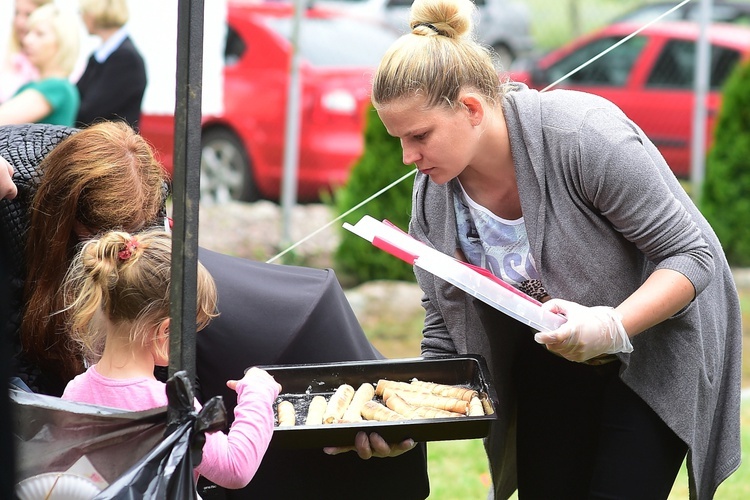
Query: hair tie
point(129, 249)
point(429, 25)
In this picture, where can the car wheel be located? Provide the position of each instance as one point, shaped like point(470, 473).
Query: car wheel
point(226, 171)
point(503, 54)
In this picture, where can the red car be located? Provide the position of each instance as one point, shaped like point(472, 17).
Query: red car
point(243, 148)
point(650, 77)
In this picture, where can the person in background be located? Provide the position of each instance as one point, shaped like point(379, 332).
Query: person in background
point(562, 196)
point(117, 294)
point(113, 83)
point(51, 45)
point(16, 69)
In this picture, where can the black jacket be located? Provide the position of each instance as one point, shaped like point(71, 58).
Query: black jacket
point(113, 90)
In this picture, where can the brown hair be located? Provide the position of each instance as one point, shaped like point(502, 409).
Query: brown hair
point(104, 177)
point(119, 284)
point(437, 59)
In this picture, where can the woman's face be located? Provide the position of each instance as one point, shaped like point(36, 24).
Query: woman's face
point(40, 44)
point(440, 141)
point(88, 21)
point(24, 8)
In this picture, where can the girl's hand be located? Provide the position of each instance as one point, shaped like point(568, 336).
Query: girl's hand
point(252, 373)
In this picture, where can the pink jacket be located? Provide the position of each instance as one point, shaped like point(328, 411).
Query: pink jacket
point(229, 460)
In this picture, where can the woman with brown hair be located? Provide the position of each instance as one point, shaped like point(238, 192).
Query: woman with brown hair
point(108, 178)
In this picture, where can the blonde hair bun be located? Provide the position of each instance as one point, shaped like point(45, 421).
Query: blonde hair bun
point(449, 18)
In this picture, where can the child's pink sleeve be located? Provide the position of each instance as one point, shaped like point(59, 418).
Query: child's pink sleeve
point(231, 460)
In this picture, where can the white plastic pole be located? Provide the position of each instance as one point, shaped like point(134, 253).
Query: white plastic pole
point(291, 135)
point(701, 85)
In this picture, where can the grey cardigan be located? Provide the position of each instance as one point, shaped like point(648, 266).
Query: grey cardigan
point(602, 211)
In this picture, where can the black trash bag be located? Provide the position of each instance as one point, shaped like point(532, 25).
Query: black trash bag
point(141, 455)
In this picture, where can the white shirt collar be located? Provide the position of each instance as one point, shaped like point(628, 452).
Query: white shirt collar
point(102, 53)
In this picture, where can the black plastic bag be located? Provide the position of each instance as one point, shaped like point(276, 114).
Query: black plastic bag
point(141, 455)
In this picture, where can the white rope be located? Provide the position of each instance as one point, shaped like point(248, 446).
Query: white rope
point(564, 77)
point(389, 186)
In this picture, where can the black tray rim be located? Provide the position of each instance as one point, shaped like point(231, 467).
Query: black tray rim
point(419, 430)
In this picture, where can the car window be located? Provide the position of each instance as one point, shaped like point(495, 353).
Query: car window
point(338, 41)
point(234, 47)
point(723, 61)
point(675, 66)
point(399, 3)
point(612, 69)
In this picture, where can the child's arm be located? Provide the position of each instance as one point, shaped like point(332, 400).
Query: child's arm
point(231, 460)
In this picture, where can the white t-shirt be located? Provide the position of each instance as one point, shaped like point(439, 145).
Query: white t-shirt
point(496, 244)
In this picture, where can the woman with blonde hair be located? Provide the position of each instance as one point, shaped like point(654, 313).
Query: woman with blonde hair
point(16, 69)
point(562, 196)
point(51, 45)
point(103, 177)
point(114, 81)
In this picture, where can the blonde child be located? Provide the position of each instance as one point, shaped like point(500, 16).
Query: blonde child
point(117, 296)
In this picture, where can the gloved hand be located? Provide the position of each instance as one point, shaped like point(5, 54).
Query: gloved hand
point(588, 332)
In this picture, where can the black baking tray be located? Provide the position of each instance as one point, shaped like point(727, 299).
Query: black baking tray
point(300, 383)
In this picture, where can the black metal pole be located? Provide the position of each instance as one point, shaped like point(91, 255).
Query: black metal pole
point(186, 186)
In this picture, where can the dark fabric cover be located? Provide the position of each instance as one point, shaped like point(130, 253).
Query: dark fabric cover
point(270, 314)
point(23, 146)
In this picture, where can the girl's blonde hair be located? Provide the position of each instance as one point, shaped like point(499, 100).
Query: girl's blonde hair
point(438, 59)
point(67, 32)
point(120, 282)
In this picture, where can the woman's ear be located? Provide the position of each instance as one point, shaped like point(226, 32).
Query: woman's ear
point(474, 107)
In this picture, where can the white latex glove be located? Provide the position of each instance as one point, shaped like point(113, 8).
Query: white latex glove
point(588, 332)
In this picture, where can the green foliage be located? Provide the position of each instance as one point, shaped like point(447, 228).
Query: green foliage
point(356, 260)
point(725, 200)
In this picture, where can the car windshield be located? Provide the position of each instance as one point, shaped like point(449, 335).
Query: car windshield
point(338, 42)
point(611, 70)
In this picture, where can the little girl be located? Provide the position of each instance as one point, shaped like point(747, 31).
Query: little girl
point(117, 298)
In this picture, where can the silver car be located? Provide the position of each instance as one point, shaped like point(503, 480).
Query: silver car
point(505, 25)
